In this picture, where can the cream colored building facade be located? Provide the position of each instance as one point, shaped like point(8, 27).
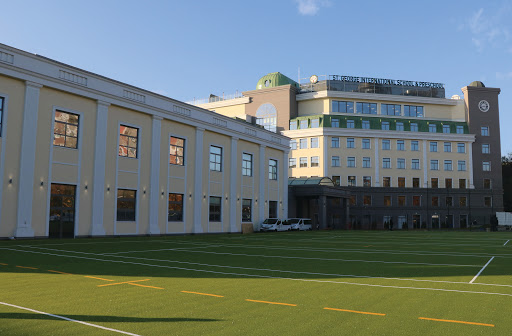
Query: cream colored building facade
point(84, 155)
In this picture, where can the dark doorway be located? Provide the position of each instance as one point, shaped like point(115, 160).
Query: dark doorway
point(62, 211)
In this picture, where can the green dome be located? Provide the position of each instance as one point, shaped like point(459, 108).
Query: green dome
point(275, 79)
point(477, 84)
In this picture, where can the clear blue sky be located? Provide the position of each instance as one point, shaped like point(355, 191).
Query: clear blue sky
point(187, 49)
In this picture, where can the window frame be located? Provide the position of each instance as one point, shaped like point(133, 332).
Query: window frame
point(273, 171)
point(55, 111)
point(247, 171)
point(175, 202)
point(215, 163)
point(214, 214)
point(135, 203)
point(246, 218)
point(184, 150)
point(128, 136)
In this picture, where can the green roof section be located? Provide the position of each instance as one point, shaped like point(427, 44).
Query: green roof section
point(275, 79)
point(376, 123)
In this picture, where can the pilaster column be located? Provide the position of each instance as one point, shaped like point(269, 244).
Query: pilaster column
point(284, 204)
point(425, 165)
point(325, 160)
point(100, 151)
point(232, 185)
point(27, 160)
point(263, 181)
point(154, 183)
point(377, 162)
point(198, 180)
point(470, 149)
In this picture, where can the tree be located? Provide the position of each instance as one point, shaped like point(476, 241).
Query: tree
point(506, 164)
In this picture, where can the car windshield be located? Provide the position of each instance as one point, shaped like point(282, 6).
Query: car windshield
point(293, 220)
point(307, 221)
point(270, 221)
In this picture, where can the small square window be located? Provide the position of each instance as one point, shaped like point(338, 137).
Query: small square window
point(335, 123)
point(366, 124)
point(351, 124)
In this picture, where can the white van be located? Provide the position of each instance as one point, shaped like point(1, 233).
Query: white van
point(270, 224)
point(302, 224)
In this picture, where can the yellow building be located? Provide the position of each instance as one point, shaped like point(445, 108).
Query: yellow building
point(85, 155)
point(405, 153)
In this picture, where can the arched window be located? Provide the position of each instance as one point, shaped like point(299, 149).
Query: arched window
point(266, 116)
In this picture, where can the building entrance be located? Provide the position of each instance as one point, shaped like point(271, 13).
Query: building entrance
point(62, 211)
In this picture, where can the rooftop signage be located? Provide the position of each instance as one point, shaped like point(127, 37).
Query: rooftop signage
point(397, 82)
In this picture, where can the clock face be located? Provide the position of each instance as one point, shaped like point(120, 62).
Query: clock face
point(483, 105)
point(313, 79)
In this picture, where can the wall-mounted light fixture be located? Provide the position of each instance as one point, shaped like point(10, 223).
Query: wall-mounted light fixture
point(10, 180)
point(108, 188)
point(86, 187)
point(162, 193)
point(189, 195)
point(42, 183)
point(144, 191)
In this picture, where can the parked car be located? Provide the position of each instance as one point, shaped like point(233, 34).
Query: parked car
point(302, 224)
point(270, 224)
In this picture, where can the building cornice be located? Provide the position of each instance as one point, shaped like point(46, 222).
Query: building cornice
point(225, 103)
point(378, 97)
point(53, 74)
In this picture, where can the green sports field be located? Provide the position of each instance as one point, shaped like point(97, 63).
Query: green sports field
point(284, 283)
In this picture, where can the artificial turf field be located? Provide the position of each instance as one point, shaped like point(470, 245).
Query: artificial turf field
point(285, 283)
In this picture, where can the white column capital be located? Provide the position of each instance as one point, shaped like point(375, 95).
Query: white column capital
point(158, 118)
point(33, 85)
point(103, 103)
point(200, 129)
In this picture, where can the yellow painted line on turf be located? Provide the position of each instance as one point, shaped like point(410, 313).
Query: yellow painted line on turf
point(26, 267)
point(134, 284)
point(3, 264)
point(355, 311)
point(59, 272)
point(125, 282)
point(275, 303)
point(202, 294)
point(455, 321)
point(91, 277)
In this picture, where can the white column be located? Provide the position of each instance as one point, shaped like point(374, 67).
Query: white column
point(198, 180)
point(284, 205)
point(27, 161)
point(232, 185)
point(425, 165)
point(377, 162)
point(263, 181)
point(470, 149)
point(325, 160)
point(100, 152)
point(154, 183)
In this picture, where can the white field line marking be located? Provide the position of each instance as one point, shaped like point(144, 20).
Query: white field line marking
point(69, 319)
point(506, 242)
point(476, 276)
point(276, 270)
point(288, 257)
point(264, 276)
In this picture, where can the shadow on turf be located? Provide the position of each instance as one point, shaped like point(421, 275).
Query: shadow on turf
point(101, 318)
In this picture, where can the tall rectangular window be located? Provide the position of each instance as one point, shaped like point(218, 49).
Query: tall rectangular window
point(367, 162)
point(415, 164)
point(487, 201)
point(435, 201)
point(315, 123)
point(366, 144)
point(487, 184)
point(215, 158)
point(246, 164)
point(433, 146)
point(447, 147)
point(272, 169)
point(486, 148)
point(400, 163)
point(335, 142)
point(177, 151)
point(401, 182)
point(351, 181)
point(448, 183)
point(401, 200)
point(350, 143)
point(342, 106)
point(367, 200)
point(399, 126)
point(303, 162)
point(293, 124)
point(366, 108)
point(386, 182)
point(387, 201)
point(336, 180)
point(461, 165)
point(484, 131)
point(385, 125)
point(446, 128)
point(460, 129)
point(314, 161)
point(314, 142)
point(432, 128)
point(293, 144)
point(335, 122)
point(128, 139)
point(175, 210)
point(386, 144)
point(367, 181)
point(303, 124)
point(366, 124)
point(386, 163)
point(415, 182)
point(400, 145)
point(303, 143)
point(126, 204)
point(462, 183)
point(434, 182)
point(292, 163)
point(486, 165)
point(246, 210)
point(272, 209)
point(65, 130)
point(414, 127)
point(448, 165)
point(461, 147)
point(215, 209)
point(351, 161)
point(335, 161)
point(351, 124)
point(463, 201)
point(353, 200)
point(434, 165)
point(416, 201)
